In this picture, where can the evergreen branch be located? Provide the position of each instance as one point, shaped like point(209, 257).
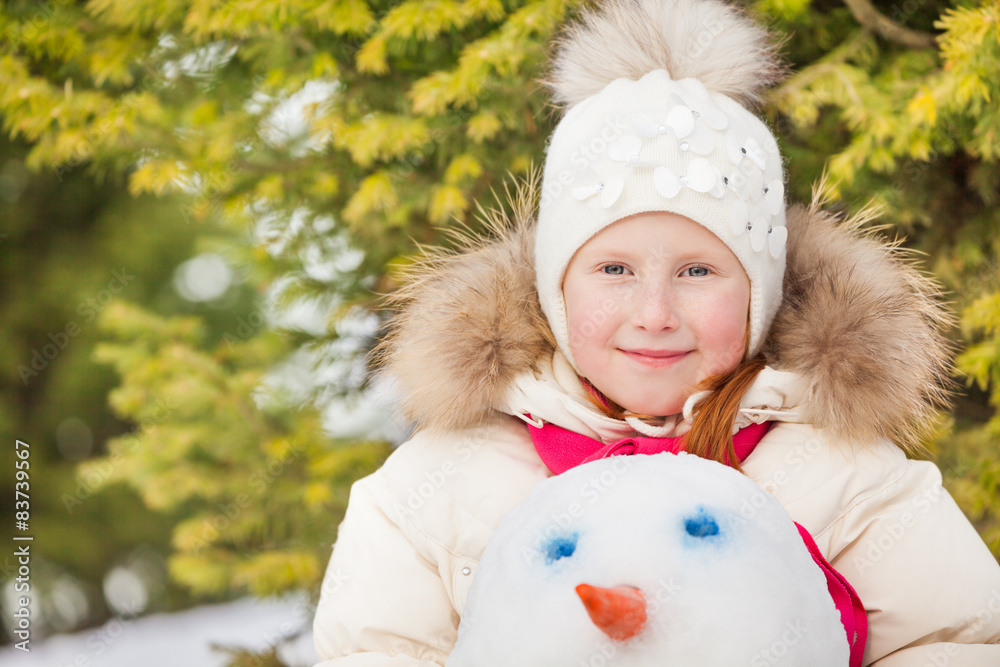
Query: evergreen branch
point(280, 166)
point(829, 65)
point(873, 20)
point(253, 420)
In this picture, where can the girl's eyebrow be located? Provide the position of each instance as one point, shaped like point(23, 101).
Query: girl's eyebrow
point(614, 251)
point(696, 253)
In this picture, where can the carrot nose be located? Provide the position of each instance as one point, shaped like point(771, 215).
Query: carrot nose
point(620, 611)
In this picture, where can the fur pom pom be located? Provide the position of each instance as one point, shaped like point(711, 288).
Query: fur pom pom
point(709, 40)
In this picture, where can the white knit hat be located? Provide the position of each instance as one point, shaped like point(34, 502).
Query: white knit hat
point(655, 125)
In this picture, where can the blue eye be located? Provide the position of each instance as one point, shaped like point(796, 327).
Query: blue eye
point(697, 272)
point(614, 270)
point(560, 547)
point(701, 525)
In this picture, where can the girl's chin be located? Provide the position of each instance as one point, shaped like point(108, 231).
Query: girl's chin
point(651, 407)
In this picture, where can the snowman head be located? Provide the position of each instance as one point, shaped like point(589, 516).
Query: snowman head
point(649, 560)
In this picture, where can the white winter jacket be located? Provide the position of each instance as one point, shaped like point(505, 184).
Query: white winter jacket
point(854, 359)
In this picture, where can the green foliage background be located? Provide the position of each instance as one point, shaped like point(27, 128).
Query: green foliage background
point(414, 111)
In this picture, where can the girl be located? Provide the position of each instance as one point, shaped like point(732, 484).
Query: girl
point(664, 292)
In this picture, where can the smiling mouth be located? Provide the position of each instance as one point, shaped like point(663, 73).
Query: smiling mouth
point(655, 358)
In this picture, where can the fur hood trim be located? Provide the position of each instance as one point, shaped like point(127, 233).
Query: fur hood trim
point(864, 325)
point(467, 322)
point(858, 321)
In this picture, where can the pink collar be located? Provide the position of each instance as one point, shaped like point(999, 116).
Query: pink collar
point(562, 449)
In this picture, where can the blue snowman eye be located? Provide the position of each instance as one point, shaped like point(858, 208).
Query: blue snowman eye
point(701, 524)
point(560, 547)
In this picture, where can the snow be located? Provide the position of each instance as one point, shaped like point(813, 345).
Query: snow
point(182, 639)
point(724, 574)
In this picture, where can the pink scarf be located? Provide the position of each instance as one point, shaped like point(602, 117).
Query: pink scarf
point(561, 449)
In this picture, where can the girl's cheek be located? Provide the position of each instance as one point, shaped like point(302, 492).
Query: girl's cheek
point(723, 321)
point(596, 301)
point(736, 340)
point(593, 315)
point(585, 321)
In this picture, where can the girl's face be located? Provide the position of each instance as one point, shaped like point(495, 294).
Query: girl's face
point(655, 303)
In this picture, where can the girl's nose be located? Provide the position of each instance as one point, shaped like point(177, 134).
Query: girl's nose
point(653, 308)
